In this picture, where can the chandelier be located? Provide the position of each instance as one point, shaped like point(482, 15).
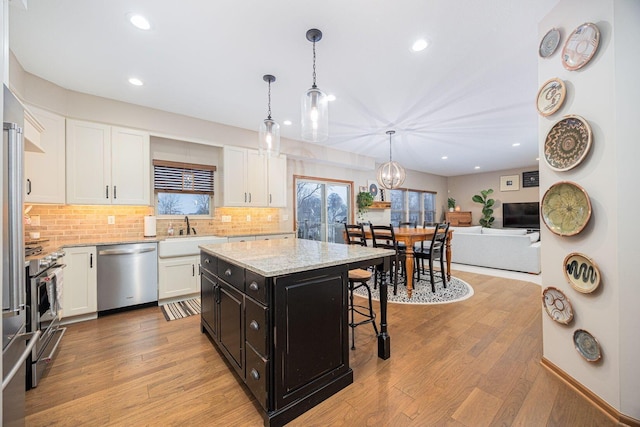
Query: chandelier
point(391, 175)
point(269, 134)
point(315, 108)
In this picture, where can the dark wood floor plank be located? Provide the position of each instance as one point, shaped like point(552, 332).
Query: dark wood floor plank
point(467, 364)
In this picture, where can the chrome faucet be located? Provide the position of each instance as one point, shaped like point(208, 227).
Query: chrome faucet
point(186, 219)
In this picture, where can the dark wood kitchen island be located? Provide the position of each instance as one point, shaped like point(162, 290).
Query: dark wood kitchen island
point(277, 310)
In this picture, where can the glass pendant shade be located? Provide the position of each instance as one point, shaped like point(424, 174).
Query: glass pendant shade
point(269, 132)
point(391, 175)
point(315, 115)
point(269, 138)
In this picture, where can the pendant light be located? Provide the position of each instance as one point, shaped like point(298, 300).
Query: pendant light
point(391, 174)
point(315, 107)
point(269, 135)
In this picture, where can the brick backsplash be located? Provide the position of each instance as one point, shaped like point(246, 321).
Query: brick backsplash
point(76, 223)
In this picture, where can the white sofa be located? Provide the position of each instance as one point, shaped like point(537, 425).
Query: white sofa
point(506, 249)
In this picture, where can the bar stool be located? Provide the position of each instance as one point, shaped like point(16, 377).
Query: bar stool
point(358, 278)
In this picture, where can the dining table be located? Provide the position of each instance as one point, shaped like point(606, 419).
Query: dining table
point(410, 236)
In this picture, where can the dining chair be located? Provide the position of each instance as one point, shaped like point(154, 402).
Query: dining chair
point(384, 237)
point(435, 251)
point(358, 278)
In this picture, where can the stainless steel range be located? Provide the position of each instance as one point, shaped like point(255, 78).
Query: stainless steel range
point(44, 289)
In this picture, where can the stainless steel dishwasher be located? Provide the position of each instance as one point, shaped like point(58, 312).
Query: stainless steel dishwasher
point(127, 275)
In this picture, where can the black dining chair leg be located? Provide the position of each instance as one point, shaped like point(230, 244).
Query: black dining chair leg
point(443, 272)
point(353, 321)
point(375, 328)
point(433, 283)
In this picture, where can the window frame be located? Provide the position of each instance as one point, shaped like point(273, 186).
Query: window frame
point(406, 211)
point(189, 166)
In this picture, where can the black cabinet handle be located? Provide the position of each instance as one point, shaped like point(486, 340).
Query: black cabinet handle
point(193, 270)
point(115, 196)
point(90, 260)
point(227, 272)
point(28, 186)
point(254, 286)
point(245, 197)
point(249, 197)
point(106, 193)
point(255, 374)
point(254, 325)
point(270, 199)
point(199, 270)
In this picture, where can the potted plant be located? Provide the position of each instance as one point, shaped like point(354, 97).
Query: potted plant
point(364, 200)
point(451, 204)
point(487, 207)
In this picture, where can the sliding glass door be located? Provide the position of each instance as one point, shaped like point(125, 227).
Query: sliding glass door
point(322, 207)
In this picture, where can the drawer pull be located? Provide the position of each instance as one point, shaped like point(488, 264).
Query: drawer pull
point(254, 325)
point(227, 272)
point(255, 374)
point(206, 261)
point(254, 286)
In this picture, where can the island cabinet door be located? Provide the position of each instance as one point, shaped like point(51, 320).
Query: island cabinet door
point(208, 303)
point(311, 348)
point(231, 326)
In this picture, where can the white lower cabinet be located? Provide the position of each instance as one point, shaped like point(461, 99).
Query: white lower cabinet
point(178, 276)
point(80, 287)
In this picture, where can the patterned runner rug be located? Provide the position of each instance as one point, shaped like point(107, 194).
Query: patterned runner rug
point(456, 290)
point(180, 309)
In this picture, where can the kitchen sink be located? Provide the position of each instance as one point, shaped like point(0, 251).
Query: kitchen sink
point(186, 245)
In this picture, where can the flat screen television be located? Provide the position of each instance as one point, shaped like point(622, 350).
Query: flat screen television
point(521, 215)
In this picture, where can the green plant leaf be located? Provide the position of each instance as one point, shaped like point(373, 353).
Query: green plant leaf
point(477, 199)
point(490, 203)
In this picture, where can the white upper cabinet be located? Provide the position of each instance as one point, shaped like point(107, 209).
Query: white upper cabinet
point(130, 167)
point(244, 178)
point(277, 167)
point(107, 165)
point(247, 179)
point(45, 172)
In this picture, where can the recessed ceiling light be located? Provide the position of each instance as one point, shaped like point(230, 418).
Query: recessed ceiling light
point(140, 22)
point(136, 82)
point(331, 97)
point(477, 167)
point(287, 123)
point(419, 45)
point(444, 157)
point(515, 144)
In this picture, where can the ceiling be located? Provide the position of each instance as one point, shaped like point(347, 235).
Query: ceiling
point(469, 96)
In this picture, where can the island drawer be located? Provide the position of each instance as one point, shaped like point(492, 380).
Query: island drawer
point(209, 263)
point(256, 324)
point(232, 274)
point(257, 380)
point(256, 286)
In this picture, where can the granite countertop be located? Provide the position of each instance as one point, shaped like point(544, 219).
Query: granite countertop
point(271, 258)
point(106, 241)
point(223, 233)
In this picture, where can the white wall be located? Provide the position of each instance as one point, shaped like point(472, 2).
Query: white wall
point(605, 93)
point(464, 187)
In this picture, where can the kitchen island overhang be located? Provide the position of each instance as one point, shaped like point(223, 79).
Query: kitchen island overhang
point(277, 310)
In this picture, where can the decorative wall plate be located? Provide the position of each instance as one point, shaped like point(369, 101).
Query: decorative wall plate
point(580, 46)
point(568, 143)
point(587, 345)
point(565, 208)
point(549, 43)
point(557, 305)
point(551, 96)
point(581, 272)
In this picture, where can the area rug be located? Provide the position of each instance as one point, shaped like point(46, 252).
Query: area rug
point(181, 309)
point(456, 290)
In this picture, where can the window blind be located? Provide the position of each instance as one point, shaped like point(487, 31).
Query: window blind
point(176, 177)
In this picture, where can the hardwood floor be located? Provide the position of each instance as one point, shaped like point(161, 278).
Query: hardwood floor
point(473, 363)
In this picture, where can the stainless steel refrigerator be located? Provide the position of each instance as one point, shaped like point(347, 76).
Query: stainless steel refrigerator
point(15, 348)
